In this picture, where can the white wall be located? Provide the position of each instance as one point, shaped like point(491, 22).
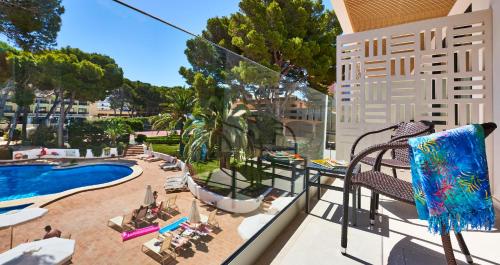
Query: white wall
point(460, 7)
point(495, 6)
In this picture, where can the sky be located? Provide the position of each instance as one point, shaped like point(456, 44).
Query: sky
point(146, 49)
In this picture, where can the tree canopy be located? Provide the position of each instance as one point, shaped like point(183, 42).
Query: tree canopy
point(295, 38)
point(31, 24)
point(267, 52)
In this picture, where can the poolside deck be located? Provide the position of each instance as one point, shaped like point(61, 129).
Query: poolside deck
point(85, 216)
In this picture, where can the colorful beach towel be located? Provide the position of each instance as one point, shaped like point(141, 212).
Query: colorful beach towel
point(450, 179)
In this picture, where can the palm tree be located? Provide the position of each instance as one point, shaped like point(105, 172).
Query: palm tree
point(115, 129)
point(179, 104)
point(223, 132)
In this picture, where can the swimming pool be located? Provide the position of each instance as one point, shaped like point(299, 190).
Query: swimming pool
point(25, 181)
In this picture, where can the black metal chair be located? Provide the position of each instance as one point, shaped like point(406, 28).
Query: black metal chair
point(380, 183)
point(403, 130)
point(399, 158)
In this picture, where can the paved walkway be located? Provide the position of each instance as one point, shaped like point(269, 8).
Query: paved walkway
point(85, 216)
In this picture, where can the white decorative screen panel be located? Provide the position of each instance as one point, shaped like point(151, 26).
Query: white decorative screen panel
point(437, 70)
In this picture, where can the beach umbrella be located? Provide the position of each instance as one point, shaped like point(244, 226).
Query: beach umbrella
point(194, 213)
point(48, 251)
point(251, 225)
point(149, 199)
point(13, 218)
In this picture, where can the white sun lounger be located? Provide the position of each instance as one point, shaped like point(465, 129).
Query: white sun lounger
point(171, 166)
point(176, 183)
point(153, 159)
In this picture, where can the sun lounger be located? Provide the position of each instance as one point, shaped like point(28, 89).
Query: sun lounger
point(210, 220)
point(171, 204)
point(171, 166)
point(162, 246)
point(152, 159)
point(176, 183)
point(162, 212)
point(124, 222)
point(144, 156)
point(141, 218)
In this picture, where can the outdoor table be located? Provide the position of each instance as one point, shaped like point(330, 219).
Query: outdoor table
point(321, 171)
point(295, 165)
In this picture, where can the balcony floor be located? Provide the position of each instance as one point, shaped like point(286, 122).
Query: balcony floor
point(397, 238)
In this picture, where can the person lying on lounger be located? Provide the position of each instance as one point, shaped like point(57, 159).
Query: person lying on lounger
point(49, 232)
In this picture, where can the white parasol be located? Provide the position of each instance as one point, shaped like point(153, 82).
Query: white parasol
point(149, 199)
point(13, 218)
point(194, 213)
point(48, 251)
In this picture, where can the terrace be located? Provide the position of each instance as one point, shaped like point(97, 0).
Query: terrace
point(260, 132)
point(381, 59)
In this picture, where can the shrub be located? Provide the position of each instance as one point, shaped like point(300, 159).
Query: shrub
point(83, 151)
point(173, 139)
point(97, 150)
point(136, 124)
point(107, 151)
point(140, 138)
point(15, 137)
point(85, 134)
point(123, 138)
point(44, 136)
point(120, 147)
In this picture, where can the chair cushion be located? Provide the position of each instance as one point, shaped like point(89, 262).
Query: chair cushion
point(384, 184)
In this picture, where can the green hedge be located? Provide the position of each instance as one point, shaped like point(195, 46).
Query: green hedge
point(164, 140)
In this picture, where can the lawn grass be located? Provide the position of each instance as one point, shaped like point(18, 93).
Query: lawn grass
point(169, 149)
point(202, 167)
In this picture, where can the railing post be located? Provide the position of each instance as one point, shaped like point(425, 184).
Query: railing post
point(233, 181)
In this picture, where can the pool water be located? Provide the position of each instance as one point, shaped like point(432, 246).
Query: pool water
point(24, 181)
point(12, 208)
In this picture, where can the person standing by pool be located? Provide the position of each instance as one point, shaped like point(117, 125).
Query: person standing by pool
point(51, 233)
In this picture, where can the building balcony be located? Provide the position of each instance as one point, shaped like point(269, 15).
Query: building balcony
point(398, 236)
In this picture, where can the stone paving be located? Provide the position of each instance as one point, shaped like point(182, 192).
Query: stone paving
point(85, 216)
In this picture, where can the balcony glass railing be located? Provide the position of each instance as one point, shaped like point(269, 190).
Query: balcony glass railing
point(249, 132)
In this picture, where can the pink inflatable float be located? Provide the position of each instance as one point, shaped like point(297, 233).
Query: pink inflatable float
point(139, 232)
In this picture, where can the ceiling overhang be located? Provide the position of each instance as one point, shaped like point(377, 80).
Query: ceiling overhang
point(363, 15)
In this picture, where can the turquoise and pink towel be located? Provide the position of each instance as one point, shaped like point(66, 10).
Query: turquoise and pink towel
point(450, 179)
